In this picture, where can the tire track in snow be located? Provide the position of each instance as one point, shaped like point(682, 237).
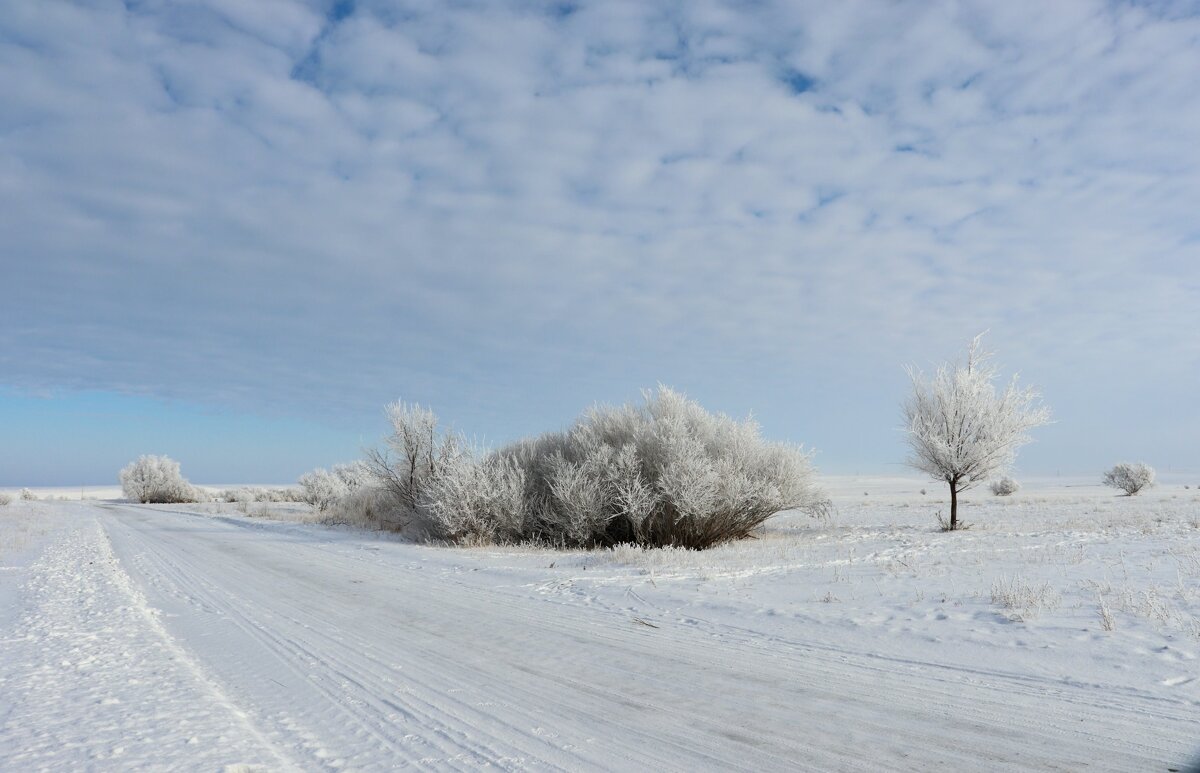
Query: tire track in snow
point(91, 678)
point(628, 683)
point(345, 668)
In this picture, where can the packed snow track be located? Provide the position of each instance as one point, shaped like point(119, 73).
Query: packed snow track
point(246, 644)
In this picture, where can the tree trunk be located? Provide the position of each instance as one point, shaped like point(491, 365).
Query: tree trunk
point(953, 505)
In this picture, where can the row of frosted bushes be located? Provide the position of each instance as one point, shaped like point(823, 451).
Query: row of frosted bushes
point(663, 472)
point(158, 480)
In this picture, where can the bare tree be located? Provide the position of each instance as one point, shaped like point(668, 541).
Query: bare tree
point(960, 429)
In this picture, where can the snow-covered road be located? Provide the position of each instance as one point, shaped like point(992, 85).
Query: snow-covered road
point(170, 640)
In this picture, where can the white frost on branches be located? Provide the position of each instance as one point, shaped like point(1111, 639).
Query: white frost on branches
point(157, 479)
point(1005, 487)
point(960, 429)
point(322, 488)
point(666, 472)
point(1130, 478)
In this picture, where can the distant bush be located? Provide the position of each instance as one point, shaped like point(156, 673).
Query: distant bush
point(1130, 478)
point(1005, 487)
point(5, 498)
point(322, 488)
point(248, 494)
point(663, 473)
point(28, 495)
point(156, 479)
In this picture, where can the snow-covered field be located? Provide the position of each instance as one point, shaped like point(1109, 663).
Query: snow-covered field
point(1061, 632)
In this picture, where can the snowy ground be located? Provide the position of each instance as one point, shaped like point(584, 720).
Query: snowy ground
point(1061, 632)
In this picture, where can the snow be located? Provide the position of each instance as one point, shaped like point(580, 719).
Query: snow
point(199, 637)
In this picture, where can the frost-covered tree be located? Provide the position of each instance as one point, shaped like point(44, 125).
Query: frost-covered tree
point(418, 449)
point(960, 429)
point(156, 479)
point(1130, 478)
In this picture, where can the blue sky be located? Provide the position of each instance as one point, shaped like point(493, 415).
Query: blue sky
point(232, 231)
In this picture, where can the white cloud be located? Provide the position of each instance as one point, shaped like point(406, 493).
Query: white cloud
point(196, 196)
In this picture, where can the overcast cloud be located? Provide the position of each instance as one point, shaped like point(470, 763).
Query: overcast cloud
point(512, 209)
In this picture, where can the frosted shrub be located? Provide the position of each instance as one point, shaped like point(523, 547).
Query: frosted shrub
point(239, 495)
point(322, 488)
point(246, 495)
point(5, 498)
point(666, 472)
point(1005, 487)
point(28, 495)
point(156, 479)
point(477, 500)
point(1130, 478)
point(1024, 600)
point(368, 506)
point(417, 452)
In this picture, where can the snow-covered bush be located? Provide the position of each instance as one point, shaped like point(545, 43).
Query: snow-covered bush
point(960, 429)
point(28, 495)
point(1130, 478)
point(369, 506)
point(156, 479)
point(290, 494)
point(248, 494)
point(322, 488)
point(241, 495)
point(5, 498)
point(1004, 487)
point(666, 472)
point(472, 499)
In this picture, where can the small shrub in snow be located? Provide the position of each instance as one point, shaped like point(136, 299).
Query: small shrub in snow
point(1130, 478)
point(28, 495)
point(5, 498)
point(1005, 487)
point(1024, 599)
point(1107, 621)
point(944, 525)
point(156, 479)
point(665, 473)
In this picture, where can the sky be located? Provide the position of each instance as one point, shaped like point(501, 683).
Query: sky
point(232, 231)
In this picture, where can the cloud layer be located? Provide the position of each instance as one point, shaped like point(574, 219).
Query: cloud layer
point(320, 206)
